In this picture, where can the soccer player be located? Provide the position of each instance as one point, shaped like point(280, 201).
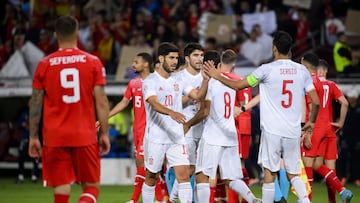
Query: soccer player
point(65, 85)
point(141, 64)
point(219, 145)
point(194, 55)
point(164, 135)
point(281, 85)
point(323, 140)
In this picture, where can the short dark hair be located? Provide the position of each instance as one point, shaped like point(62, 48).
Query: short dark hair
point(228, 57)
point(181, 61)
point(311, 58)
point(212, 55)
point(166, 47)
point(324, 64)
point(66, 27)
point(146, 57)
point(282, 41)
point(191, 47)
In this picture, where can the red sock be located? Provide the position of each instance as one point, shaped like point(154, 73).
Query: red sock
point(331, 193)
point(330, 178)
point(89, 195)
point(139, 181)
point(309, 174)
point(233, 197)
point(246, 179)
point(220, 190)
point(158, 191)
point(60, 198)
point(212, 194)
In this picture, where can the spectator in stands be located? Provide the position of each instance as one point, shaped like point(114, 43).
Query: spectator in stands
point(342, 54)
point(252, 49)
point(46, 44)
point(266, 41)
point(4, 53)
point(108, 49)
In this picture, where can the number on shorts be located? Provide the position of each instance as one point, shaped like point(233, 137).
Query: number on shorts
point(73, 83)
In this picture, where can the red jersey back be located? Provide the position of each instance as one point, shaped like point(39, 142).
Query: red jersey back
point(68, 77)
point(319, 90)
point(331, 92)
point(134, 92)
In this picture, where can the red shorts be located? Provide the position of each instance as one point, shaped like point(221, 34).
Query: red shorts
point(323, 143)
point(244, 146)
point(65, 165)
point(139, 145)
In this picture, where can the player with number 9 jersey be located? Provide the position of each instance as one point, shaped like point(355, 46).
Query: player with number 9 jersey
point(67, 77)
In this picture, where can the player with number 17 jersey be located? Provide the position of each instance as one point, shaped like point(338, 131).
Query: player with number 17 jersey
point(134, 92)
point(67, 77)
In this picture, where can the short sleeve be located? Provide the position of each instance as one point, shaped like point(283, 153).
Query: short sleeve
point(336, 91)
point(128, 93)
point(148, 89)
point(38, 80)
point(100, 73)
point(308, 82)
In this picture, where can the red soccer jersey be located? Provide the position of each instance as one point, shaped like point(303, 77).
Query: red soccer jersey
point(68, 78)
point(319, 90)
point(134, 92)
point(331, 92)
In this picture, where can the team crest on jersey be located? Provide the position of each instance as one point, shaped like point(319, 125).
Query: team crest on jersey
point(176, 87)
point(151, 160)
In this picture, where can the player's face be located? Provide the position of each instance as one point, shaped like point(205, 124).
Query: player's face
point(321, 72)
point(196, 59)
point(170, 62)
point(138, 64)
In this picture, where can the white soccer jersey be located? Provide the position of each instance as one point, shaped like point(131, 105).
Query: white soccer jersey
point(282, 84)
point(219, 127)
point(161, 128)
point(191, 107)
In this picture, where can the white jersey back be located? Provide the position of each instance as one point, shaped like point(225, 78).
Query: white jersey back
point(219, 127)
point(161, 128)
point(282, 84)
point(191, 107)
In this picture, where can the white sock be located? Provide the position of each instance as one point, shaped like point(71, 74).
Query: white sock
point(185, 192)
point(203, 192)
point(268, 193)
point(174, 195)
point(147, 193)
point(242, 189)
point(300, 189)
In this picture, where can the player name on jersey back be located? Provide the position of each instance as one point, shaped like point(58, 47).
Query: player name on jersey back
point(67, 60)
point(288, 71)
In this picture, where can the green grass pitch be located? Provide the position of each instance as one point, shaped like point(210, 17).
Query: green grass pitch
point(35, 193)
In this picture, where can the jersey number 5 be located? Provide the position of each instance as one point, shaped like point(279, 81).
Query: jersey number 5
point(69, 79)
point(286, 91)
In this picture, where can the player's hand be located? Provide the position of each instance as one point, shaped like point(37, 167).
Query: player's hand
point(203, 73)
point(186, 128)
point(237, 111)
point(35, 148)
point(337, 126)
point(97, 125)
point(104, 143)
point(210, 70)
point(178, 117)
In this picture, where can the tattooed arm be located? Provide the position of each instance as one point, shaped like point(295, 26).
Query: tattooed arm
point(36, 104)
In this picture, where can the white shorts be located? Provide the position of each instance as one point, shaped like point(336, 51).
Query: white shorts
point(210, 157)
point(192, 144)
point(155, 153)
point(272, 147)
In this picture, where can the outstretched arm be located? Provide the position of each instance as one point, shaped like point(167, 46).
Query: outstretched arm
point(119, 106)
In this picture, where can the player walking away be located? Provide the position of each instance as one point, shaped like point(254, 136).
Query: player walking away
point(322, 144)
point(219, 145)
point(282, 83)
point(194, 55)
point(141, 65)
point(65, 85)
point(164, 135)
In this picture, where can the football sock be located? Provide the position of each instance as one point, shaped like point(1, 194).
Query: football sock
point(185, 192)
point(158, 190)
point(233, 197)
point(284, 183)
point(242, 189)
point(300, 189)
point(203, 192)
point(212, 193)
point(139, 181)
point(246, 179)
point(268, 192)
point(220, 190)
point(330, 178)
point(89, 195)
point(174, 192)
point(310, 175)
point(60, 198)
point(278, 192)
point(331, 193)
point(148, 193)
